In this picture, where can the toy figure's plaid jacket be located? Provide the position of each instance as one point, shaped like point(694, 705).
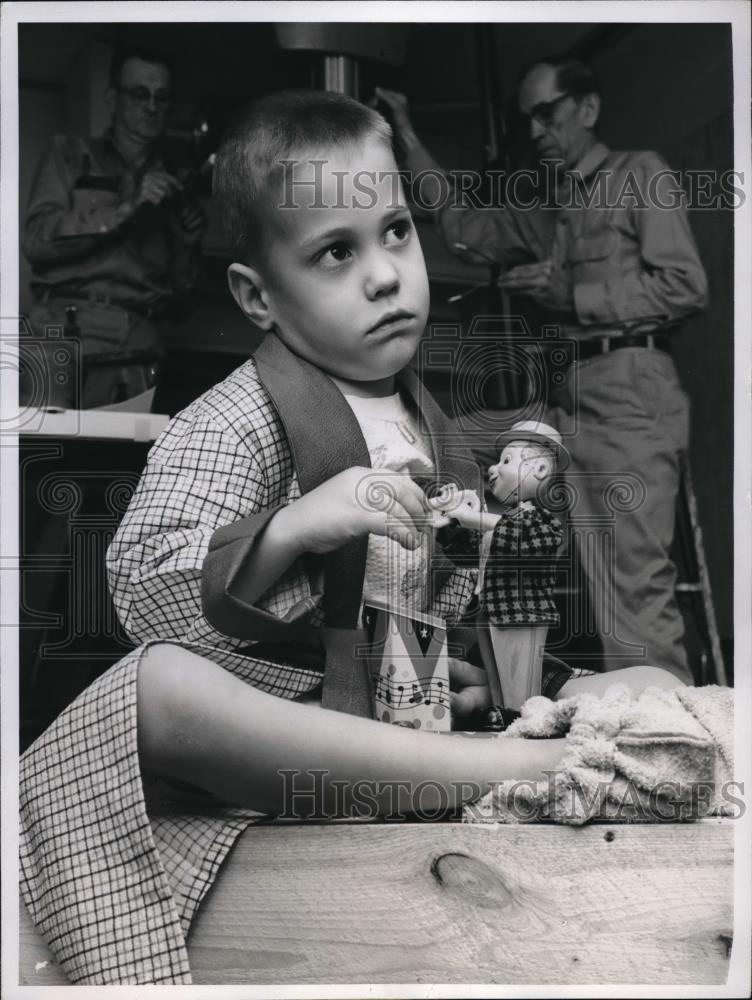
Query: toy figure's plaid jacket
point(114, 862)
point(519, 580)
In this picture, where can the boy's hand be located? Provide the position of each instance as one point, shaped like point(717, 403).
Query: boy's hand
point(452, 503)
point(469, 688)
point(356, 502)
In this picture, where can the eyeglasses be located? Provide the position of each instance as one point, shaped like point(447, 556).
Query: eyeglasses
point(142, 96)
point(543, 113)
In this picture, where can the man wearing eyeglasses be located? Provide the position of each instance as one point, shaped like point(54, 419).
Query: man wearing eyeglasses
point(113, 237)
point(609, 252)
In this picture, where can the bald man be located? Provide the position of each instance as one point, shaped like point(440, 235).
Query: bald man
point(113, 237)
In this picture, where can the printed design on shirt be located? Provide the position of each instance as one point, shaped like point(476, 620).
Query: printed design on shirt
point(407, 433)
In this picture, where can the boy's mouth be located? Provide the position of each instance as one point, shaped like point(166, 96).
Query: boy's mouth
point(391, 319)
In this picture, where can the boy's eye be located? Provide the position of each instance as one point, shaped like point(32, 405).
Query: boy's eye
point(398, 232)
point(335, 254)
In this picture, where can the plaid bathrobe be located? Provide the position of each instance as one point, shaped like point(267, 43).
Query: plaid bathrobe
point(115, 861)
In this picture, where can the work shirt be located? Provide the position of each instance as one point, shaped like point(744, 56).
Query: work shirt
point(615, 228)
point(81, 234)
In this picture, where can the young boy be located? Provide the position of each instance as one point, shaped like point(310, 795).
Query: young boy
point(245, 553)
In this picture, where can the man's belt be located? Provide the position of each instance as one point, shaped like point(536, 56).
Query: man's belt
point(604, 345)
point(98, 299)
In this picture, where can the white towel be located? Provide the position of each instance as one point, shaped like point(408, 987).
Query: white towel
point(664, 756)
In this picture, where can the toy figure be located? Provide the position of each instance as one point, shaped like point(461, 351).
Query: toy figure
point(518, 546)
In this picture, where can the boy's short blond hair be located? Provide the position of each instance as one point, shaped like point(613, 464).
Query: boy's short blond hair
point(284, 126)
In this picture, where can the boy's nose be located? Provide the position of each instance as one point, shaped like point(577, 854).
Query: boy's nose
point(382, 277)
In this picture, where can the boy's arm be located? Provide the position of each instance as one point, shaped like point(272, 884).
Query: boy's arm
point(198, 722)
point(200, 477)
point(246, 558)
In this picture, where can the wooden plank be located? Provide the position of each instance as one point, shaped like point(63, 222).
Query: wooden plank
point(601, 904)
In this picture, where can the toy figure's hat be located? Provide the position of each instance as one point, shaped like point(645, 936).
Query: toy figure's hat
point(540, 433)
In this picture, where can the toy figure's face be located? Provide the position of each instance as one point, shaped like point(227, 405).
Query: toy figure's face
point(521, 469)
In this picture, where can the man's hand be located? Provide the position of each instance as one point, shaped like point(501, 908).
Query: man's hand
point(155, 187)
point(397, 104)
point(356, 502)
point(193, 223)
point(469, 691)
point(541, 282)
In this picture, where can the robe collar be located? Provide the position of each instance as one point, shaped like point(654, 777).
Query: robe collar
point(325, 438)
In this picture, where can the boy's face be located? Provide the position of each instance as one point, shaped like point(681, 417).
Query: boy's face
point(345, 281)
point(519, 472)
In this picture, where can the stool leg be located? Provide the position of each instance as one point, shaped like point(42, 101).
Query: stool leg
point(702, 583)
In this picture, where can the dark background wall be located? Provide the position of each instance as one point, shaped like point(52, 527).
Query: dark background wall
point(666, 87)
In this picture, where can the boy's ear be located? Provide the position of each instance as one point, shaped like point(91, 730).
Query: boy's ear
point(247, 288)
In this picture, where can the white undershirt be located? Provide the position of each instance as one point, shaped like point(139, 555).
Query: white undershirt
point(394, 575)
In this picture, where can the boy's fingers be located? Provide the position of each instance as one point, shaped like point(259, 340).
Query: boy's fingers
point(463, 674)
point(414, 500)
point(385, 491)
point(470, 699)
point(395, 523)
point(407, 537)
point(394, 505)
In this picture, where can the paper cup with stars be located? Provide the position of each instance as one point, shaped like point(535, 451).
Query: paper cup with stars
point(410, 668)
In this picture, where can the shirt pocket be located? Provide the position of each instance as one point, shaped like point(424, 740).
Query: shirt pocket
point(592, 248)
point(88, 202)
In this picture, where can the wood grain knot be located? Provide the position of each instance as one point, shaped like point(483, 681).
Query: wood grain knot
point(472, 879)
point(726, 941)
point(609, 835)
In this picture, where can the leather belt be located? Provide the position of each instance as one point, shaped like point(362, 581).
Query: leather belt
point(604, 345)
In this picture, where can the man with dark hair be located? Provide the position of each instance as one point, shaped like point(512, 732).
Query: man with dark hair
point(572, 76)
point(110, 232)
point(609, 252)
